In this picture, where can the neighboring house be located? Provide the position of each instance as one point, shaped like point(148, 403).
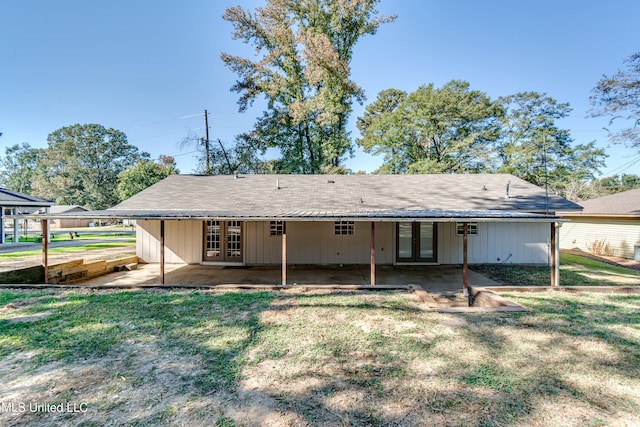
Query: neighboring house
point(14, 203)
point(68, 223)
point(342, 219)
point(608, 225)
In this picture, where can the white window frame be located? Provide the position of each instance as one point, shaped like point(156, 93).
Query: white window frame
point(472, 229)
point(276, 228)
point(344, 228)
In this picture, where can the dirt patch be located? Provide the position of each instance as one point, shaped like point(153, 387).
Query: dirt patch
point(481, 300)
point(30, 318)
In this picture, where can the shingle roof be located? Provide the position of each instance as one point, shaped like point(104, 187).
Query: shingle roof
point(13, 198)
point(626, 203)
point(322, 196)
point(56, 209)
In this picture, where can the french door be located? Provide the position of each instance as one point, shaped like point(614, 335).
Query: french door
point(416, 242)
point(223, 241)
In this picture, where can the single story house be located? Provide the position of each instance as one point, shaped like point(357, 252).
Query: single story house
point(608, 225)
point(13, 203)
point(261, 220)
point(68, 222)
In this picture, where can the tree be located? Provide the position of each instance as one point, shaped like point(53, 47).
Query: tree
point(144, 174)
point(618, 97)
point(533, 148)
point(81, 165)
point(305, 48)
point(618, 183)
point(19, 167)
point(223, 159)
point(432, 130)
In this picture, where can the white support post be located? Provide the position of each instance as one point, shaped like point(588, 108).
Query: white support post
point(1, 225)
point(47, 211)
point(15, 227)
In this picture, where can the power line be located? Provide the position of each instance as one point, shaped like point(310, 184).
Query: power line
point(624, 167)
point(183, 154)
point(163, 121)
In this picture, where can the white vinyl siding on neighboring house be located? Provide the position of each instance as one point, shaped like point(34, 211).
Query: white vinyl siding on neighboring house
point(620, 235)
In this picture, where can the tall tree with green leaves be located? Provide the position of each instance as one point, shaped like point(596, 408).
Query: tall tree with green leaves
point(304, 50)
point(81, 165)
point(618, 97)
point(19, 167)
point(144, 174)
point(534, 148)
point(450, 129)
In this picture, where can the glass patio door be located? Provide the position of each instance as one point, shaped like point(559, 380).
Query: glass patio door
point(416, 242)
point(223, 241)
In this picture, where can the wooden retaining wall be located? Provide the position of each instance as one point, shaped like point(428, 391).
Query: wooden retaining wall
point(23, 275)
point(77, 270)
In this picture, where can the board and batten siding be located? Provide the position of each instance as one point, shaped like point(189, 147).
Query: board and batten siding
point(314, 242)
point(183, 241)
point(621, 235)
point(495, 243)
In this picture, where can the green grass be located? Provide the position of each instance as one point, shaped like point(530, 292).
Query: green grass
point(316, 358)
point(574, 271)
point(64, 236)
point(66, 250)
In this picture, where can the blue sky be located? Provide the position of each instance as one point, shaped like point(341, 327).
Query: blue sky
point(150, 68)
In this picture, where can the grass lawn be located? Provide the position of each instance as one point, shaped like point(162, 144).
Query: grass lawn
point(71, 249)
point(574, 271)
point(169, 357)
point(58, 236)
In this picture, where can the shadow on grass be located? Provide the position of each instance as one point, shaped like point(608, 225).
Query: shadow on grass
point(566, 323)
point(332, 359)
point(101, 328)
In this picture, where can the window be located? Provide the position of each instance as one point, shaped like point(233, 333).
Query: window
point(275, 228)
point(344, 228)
point(472, 228)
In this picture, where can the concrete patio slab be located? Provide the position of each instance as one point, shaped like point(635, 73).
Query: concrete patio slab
point(439, 279)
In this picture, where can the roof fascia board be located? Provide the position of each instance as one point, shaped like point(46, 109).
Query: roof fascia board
point(535, 218)
point(590, 215)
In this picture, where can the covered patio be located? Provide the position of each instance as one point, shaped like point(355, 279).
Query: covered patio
point(362, 230)
point(432, 278)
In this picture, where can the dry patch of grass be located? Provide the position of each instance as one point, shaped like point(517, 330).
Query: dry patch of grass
point(318, 358)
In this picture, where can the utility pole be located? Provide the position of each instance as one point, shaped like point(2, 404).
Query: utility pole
point(207, 165)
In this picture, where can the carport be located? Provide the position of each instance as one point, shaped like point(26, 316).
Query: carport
point(13, 205)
